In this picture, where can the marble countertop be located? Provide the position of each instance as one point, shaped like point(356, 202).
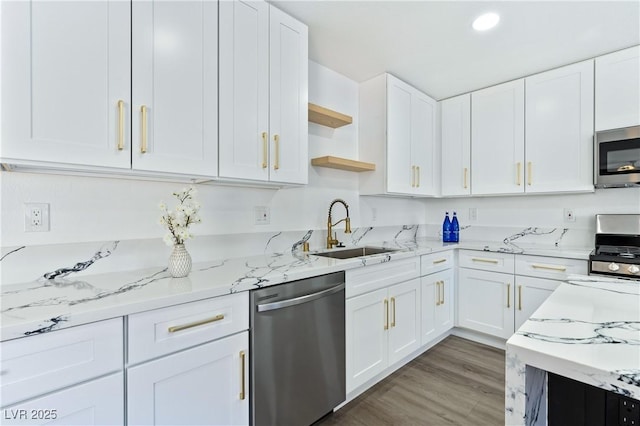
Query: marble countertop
point(587, 330)
point(70, 299)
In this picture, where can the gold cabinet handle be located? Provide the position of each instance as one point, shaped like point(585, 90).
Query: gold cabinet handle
point(519, 297)
point(442, 300)
point(466, 172)
point(195, 324)
point(435, 262)
point(393, 317)
point(242, 368)
point(437, 293)
point(413, 176)
point(479, 259)
point(508, 295)
point(265, 146)
point(418, 174)
point(518, 173)
point(143, 129)
point(529, 173)
point(386, 314)
point(276, 140)
point(550, 268)
point(120, 125)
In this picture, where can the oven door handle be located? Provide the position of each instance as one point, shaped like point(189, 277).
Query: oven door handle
point(299, 300)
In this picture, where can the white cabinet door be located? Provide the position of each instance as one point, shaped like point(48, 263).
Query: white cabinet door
point(618, 89)
point(497, 135)
point(424, 113)
point(559, 131)
point(485, 302)
point(66, 71)
point(445, 306)
point(430, 301)
point(288, 98)
point(401, 176)
point(244, 90)
point(175, 78)
point(97, 402)
point(530, 294)
point(404, 321)
point(204, 385)
point(456, 145)
point(366, 319)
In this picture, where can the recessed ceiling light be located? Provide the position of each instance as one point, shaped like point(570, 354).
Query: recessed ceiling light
point(486, 21)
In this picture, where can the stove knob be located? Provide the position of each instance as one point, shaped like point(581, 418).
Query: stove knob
point(633, 269)
point(613, 267)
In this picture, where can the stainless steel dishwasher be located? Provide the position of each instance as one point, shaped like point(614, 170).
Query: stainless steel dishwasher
point(297, 351)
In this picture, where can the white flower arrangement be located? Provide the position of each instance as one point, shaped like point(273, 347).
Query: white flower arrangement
point(178, 221)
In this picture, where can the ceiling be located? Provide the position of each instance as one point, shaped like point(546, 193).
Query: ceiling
point(431, 45)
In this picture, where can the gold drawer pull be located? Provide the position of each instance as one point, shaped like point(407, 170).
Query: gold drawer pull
point(437, 293)
point(418, 174)
point(550, 268)
point(393, 317)
point(479, 259)
point(508, 295)
point(195, 324)
point(143, 129)
point(413, 176)
point(386, 314)
point(120, 125)
point(242, 368)
point(442, 300)
point(518, 173)
point(466, 171)
point(276, 139)
point(265, 144)
point(519, 297)
point(529, 173)
point(435, 262)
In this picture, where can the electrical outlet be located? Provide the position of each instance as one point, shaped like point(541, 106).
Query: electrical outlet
point(473, 214)
point(262, 216)
point(569, 216)
point(36, 217)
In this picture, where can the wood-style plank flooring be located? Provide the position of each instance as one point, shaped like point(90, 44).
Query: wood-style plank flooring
point(457, 382)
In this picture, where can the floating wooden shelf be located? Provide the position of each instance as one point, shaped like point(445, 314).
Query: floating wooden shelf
point(343, 164)
point(327, 117)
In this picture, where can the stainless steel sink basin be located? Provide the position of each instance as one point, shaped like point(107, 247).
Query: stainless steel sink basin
point(355, 252)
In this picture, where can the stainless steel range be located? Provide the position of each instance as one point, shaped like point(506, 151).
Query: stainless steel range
point(617, 251)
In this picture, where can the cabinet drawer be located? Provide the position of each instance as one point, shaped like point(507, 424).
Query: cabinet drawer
point(436, 262)
point(36, 365)
point(161, 331)
point(486, 261)
point(373, 277)
point(549, 267)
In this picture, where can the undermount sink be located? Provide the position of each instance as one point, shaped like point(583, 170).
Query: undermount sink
point(355, 252)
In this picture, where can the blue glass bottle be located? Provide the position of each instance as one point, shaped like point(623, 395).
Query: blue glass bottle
point(446, 229)
point(455, 229)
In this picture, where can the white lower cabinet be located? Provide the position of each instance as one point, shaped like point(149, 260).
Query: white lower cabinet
point(530, 294)
point(382, 327)
point(437, 304)
point(484, 302)
point(207, 384)
point(97, 402)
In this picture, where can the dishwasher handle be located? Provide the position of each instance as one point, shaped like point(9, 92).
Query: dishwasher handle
point(299, 300)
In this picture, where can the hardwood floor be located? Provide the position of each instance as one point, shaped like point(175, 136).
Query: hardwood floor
point(457, 382)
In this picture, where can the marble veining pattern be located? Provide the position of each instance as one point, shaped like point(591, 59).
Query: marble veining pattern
point(12, 252)
point(587, 330)
point(104, 251)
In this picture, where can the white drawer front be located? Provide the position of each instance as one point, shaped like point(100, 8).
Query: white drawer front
point(162, 331)
point(436, 262)
point(549, 267)
point(486, 261)
point(369, 278)
point(35, 365)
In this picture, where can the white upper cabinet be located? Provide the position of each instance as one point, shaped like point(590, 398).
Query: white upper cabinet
point(559, 131)
point(263, 94)
point(456, 145)
point(618, 89)
point(398, 128)
point(66, 82)
point(175, 87)
point(497, 135)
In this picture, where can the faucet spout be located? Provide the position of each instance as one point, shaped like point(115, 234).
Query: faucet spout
point(330, 240)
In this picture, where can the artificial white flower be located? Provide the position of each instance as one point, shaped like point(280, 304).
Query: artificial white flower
point(177, 222)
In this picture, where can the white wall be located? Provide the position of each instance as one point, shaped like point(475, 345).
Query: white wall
point(85, 209)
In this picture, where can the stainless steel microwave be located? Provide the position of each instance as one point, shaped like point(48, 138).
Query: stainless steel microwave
point(617, 158)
